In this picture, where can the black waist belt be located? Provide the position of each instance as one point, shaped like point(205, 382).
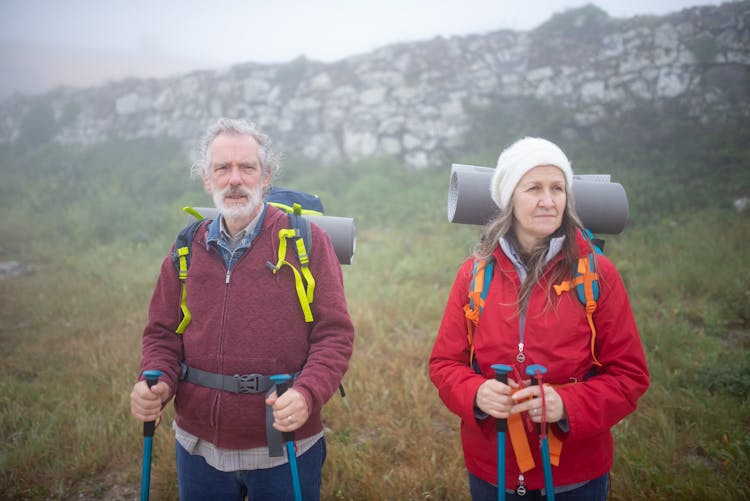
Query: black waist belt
point(238, 383)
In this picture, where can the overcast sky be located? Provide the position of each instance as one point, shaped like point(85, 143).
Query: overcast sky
point(44, 43)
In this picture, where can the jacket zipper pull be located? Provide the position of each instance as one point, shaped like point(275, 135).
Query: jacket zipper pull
point(521, 489)
point(227, 279)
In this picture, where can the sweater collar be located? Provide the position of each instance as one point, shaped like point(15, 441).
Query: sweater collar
point(555, 246)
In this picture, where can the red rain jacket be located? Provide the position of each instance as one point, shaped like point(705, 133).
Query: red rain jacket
point(558, 338)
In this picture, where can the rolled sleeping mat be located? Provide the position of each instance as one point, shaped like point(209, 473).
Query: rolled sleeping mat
point(343, 235)
point(341, 230)
point(601, 204)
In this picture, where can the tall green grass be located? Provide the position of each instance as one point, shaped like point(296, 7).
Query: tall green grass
point(70, 334)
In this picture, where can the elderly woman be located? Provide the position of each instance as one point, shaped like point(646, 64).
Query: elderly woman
point(596, 369)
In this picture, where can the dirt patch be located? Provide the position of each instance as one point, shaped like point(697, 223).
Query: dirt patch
point(114, 486)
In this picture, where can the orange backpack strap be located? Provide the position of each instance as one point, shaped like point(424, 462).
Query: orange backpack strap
point(586, 284)
point(555, 448)
point(480, 285)
point(520, 443)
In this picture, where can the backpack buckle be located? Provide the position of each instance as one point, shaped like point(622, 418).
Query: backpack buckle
point(247, 383)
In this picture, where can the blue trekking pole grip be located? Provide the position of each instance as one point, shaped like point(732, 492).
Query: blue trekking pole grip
point(536, 372)
point(282, 384)
point(501, 425)
point(152, 377)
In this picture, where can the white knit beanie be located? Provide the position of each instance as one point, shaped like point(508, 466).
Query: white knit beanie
point(518, 159)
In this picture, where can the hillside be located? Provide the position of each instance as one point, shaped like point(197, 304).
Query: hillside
point(424, 102)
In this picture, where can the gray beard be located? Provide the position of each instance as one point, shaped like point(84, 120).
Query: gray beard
point(254, 199)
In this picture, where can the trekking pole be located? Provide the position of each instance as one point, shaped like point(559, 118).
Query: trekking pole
point(148, 435)
point(282, 383)
point(501, 425)
point(537, 378)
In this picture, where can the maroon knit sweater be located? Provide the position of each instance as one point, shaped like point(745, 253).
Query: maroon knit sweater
point(249, 321)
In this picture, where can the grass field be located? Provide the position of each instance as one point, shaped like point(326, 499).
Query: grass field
point(70, 329)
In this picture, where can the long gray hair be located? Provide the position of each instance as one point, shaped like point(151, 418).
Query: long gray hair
point(269, 159)
point(503, 225)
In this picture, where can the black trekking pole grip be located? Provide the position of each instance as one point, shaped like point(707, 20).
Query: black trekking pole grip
point(281, 388)
point(501, 374)
point(152, 377)
point(281, 381)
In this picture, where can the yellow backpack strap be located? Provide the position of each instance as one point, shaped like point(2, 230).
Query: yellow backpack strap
point(181, 260)
point(182, 254)
point(304, 295)
point(192, 212)
point(304, 260)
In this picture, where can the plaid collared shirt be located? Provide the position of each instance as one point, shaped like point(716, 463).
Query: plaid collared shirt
point(236, 460)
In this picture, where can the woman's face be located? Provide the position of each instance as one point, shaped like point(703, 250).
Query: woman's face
point(539, 202)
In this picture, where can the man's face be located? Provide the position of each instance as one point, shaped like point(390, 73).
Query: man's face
point(235, 179)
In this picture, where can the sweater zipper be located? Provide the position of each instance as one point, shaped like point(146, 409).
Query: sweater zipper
point(227, 279)
point(222, 328)
point(227, 282)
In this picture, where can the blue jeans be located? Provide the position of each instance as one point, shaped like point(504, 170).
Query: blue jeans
point(593, 490)
point(198, 481)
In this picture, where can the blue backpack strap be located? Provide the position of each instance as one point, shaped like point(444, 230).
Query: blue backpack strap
point(598, 248)
point(489, 269)
point(598, 243)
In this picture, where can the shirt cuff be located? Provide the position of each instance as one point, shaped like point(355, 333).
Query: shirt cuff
point(564, 425)
point(479, 414)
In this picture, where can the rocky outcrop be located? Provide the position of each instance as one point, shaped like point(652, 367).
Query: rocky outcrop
point(415, 101)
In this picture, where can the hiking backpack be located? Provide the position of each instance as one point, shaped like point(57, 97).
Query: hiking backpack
point(585, 282)
point(296, 204)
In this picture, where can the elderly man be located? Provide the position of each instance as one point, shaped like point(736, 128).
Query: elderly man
point(246, 320)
